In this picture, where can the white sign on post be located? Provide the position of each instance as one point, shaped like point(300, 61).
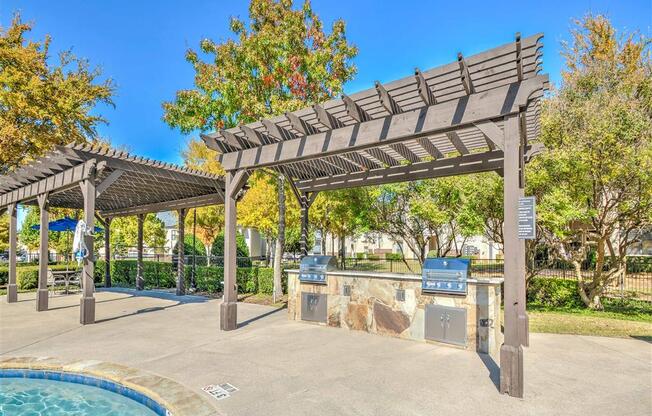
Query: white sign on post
point(527, 226)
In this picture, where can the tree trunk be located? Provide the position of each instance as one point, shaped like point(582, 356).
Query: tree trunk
point(323, 242)
point(589, 293)
point(280, 240)
point(208, 254)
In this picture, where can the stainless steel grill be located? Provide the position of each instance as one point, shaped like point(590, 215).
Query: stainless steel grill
point(313, 268)
point(445, 275)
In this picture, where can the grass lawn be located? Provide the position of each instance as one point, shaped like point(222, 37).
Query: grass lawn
point(629, 319)
point(588, 324)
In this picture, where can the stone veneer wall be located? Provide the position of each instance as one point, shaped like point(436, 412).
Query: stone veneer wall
point(372, 306)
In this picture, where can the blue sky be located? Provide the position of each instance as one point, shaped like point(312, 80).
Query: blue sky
point(141, 44)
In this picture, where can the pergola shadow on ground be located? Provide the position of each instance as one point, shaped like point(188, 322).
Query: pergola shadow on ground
point(476, 114)
point(285, 367)
point(105, 183)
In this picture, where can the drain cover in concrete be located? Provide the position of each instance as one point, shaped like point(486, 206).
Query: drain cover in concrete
point(221, 391)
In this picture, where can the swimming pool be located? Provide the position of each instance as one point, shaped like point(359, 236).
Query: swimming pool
point(36, 392)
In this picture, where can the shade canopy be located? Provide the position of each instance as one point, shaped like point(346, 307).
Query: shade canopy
point(442, 121)
point(125, 184)
point(63, 224)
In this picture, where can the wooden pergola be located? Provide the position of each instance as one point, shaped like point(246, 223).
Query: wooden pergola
point(105, 183)
point(476, 114)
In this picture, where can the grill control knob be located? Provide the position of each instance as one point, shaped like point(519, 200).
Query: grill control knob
point(449, 285)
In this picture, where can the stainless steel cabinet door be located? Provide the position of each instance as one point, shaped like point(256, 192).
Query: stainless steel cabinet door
point(435, 322)
point(456, 326)
point(445, 324)
point(313, 307)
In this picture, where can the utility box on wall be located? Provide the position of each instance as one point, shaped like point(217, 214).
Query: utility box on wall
point(445, 324)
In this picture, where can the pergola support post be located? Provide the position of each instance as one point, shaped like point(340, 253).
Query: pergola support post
point(304, 227)
point(234, 181)
point(42, 292)
point(181, 287)
point(140, 279)
point(107, 252)
point(87, 301)
point(511, 352)
point(12, 290)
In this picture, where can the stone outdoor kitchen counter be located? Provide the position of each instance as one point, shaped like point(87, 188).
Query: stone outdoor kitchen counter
point(394, 305)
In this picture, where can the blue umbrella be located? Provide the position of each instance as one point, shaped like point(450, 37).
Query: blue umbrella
point(63, 224)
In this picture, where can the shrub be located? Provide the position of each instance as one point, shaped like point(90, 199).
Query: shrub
point(241, 249)
point(359, 256)
point(4, 275)
point(393, 256)
point(554, 293)
point(207, 279)
point(373, 257)
point(27, 278)
point(266, 280)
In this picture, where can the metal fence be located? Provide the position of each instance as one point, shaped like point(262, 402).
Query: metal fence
point(636, 283)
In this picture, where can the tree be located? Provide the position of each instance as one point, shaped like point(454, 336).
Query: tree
point(124, 232)
point(259, 209)
point(242, 251)
point(596, 178)
point(44, 105)
point(210, 219)
point(188, 249)
point(4, 232)
point(340, 213)
point(433, 213)
point(279, 61)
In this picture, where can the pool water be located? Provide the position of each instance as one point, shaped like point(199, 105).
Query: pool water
point(35, 397)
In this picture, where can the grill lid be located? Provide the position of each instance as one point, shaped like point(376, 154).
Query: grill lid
point(325, 263)
point(445, 266)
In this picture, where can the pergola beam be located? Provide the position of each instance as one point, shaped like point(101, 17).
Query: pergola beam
point(67, 178)
point(493, 133)
point(354, 110)
point(412, 124)
point(326, 118)
point(300, 125)
point(253, 136)
point(476, 162)
point(457, 143)
point(108, 181)
point(386, 100)
point(465, 76)
point(192, 202)
point(404, 151)
point(426, 94)
point(430, 148)
point(383, 156)
point(277, 132)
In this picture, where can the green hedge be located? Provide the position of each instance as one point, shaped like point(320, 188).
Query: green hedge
point(26, 276)
point(207, 278)
point(553, 293)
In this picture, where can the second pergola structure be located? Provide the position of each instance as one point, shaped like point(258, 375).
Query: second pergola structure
point(476, 114)
point(106, 183)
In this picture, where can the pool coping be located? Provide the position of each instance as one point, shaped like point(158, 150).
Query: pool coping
point(177, 399)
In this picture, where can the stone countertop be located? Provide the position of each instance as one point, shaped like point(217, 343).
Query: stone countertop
point(398, 276)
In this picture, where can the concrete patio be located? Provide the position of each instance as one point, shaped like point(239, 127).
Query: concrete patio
point(285, 367)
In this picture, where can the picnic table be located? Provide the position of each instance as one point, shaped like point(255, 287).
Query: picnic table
point(67, 276)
